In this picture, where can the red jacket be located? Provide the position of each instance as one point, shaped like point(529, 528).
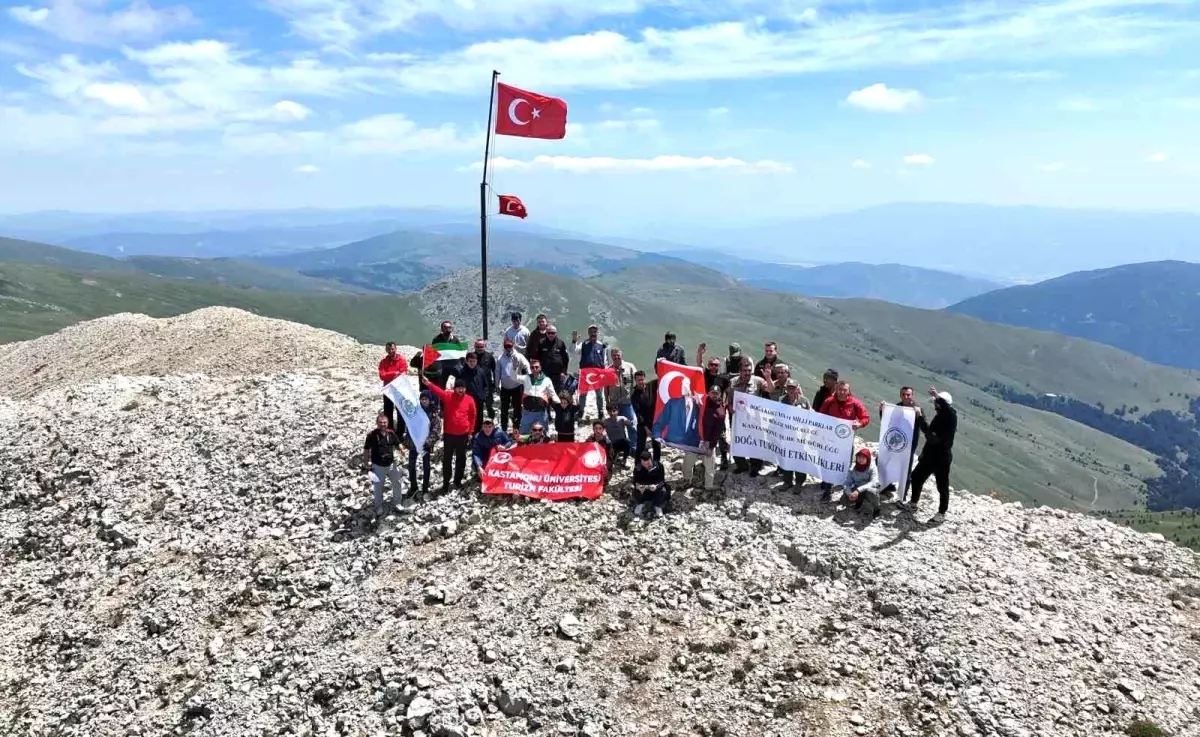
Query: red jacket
point(458, 417)
point(391, 367)
point(851, 409)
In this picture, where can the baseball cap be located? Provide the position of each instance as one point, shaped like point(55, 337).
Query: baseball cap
point(593, 327)
point(507, 343)
point(790, 384)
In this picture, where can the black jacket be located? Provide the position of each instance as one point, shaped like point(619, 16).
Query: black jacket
point(477, 381)
point(653, 476)
point(487, 363)
point(643, 401)
point(674, 353)
point(554, 357)
point(440, 366)
point(819, 398)
point(939, 433)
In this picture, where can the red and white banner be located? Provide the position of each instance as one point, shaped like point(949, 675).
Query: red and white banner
point(547, 471)
point(593, 379)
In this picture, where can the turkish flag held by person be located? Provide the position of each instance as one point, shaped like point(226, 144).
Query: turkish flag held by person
point(591, 379)
point(529, 114)
point(512, 205)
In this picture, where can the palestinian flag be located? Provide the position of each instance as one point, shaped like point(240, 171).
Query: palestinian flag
point(443, 352)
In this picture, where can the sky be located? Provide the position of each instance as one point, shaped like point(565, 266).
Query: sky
point(698, 111)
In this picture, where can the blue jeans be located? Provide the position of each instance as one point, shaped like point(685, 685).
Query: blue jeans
point(528, 419)
point(599, 393)
point(626, 411)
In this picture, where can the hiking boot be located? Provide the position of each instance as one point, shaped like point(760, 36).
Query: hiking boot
point(658, 513)
point(938, 518)
point(638, 510)
point(827, 496)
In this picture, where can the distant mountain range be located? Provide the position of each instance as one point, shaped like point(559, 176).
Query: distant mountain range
point(1149, 309)
point(998, 243)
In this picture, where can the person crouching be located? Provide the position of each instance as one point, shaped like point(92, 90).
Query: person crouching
point(862, 483)
point(650, 488)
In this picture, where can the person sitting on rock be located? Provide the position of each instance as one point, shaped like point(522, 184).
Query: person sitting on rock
point(426, 451)
point(650, 488)
point(600, 437)
point(862, 483)
point(379, 457)
point(485, 441)
point(391, 367)
point(567, 417)
point(615, 427)
point(459, 414)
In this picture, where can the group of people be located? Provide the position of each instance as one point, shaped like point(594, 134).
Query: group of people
point(543, 399)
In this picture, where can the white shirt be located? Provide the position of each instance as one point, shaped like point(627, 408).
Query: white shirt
point(544, 388)
point(511, 369)
point(519, 336)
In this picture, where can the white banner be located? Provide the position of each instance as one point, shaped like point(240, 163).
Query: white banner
point(404, 394)
point(792, 438)
point(896, 430)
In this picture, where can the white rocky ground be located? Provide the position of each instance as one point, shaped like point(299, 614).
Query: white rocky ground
point(190, 554)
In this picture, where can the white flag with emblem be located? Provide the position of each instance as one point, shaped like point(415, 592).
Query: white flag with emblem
point(403, 393)
point(896, 430)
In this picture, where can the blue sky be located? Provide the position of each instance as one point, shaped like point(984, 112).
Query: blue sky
point(721, 110)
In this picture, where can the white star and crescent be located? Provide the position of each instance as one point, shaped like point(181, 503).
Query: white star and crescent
point(512, 112)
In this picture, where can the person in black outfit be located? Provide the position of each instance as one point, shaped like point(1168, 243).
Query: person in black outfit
point(828, 385)
point(566, 417)
point(714, 378)
point(644, 397)
point(477, 381)
point(487, 364)
point(938, 454)
point(379, 457)
point(670, 351)
point(426, 451)
point(600, 436)
point(650, 490)
point(552, 353)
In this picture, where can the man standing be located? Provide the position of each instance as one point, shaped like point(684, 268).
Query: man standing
point(426, 451)
point(793, 396)
point(477, 382)
point(906, 400)
point(935, 461)
point(485, 441)
point(536, 337)
point(517, 333)
point(487, 364)
point(843, 405)
point(440, 370)
point(511, 368)
point(552, 354)
point(592, 354)
point(459, 413)
point(733, 364)
point(670, 351)
point(770, 358)
point(379, 454)
point(748, 383)
point(620, 396)
point(714, 378)
point(537, 394)
point(828, 385)
point(712, 431)
point(392, 366)
point(644, 399)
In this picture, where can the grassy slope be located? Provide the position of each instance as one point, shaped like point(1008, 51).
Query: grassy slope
point(19, 251)
point(235, 273)
point(1181, 527)
point(36, 300)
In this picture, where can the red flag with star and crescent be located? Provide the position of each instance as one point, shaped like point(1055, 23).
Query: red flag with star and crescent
point(529, 114)
point(594, 379)
point(679, 408)
point(511, 205)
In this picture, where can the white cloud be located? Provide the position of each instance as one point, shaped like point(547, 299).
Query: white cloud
point(1008, 32)
point(880, 98)
point(307, 169)
point(391, 133)
point(860, 164)
point(288, 110)
point(1053, 166)
point(1039, 75)
point(1157, 158)
point(658, 163)
point(717, 112)
point(918, 159)
point(117, 95)
point(344, 22)
point(88, 21)
point(641, 125)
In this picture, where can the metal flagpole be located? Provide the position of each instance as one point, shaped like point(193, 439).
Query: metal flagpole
point(483, 200)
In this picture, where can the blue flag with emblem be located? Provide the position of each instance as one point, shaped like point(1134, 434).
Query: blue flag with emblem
point(404, 394)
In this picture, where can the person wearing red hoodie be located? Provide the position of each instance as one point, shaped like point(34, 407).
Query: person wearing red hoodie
point(391, 366)
point(845, 406)
point(458, 423)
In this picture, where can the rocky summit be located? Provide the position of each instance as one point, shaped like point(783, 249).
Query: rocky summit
point(188, 549)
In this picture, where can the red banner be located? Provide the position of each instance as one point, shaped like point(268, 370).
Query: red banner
point(592, 379)
point(547, 471)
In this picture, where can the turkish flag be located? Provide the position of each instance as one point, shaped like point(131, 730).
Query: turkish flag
point(528, 114)
point(592, 379)
point(512, 205)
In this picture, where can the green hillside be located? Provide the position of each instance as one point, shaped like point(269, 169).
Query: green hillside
point(1016, 451)
point(17, 251)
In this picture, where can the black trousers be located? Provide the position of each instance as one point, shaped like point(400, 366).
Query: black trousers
point(510, 398)
point(659, 496)
point(412, 472)
point(795, 478)
point(479, 406)
point(620, 448)
point(645, 437)
point(393, 414)
point(936, 465)
point(454, 449)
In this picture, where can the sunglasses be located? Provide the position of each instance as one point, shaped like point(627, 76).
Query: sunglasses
point(537, 429)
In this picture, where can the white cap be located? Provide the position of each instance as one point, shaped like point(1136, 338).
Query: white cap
point(945, 397)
